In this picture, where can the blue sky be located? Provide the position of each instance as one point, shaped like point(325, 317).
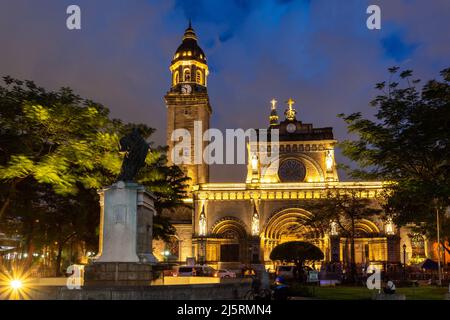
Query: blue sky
point(318, 52)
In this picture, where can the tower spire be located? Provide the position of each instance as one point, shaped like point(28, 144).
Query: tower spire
point(273, 118)
point(290, 111)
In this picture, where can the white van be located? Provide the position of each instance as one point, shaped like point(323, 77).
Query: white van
point(289, 272)
point(194, 271)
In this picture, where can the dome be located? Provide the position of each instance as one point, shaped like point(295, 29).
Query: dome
point(189, 48)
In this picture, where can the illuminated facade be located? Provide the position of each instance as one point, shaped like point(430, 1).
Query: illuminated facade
point(240, 223)
point(187, 100)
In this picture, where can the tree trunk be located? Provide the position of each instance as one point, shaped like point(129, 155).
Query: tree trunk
point(299, 266)
point(352, 254)
point(58, 259)
point(7, 202)
point(5, 206)
point(445, 247)
point(352, 259)
point(29, 246)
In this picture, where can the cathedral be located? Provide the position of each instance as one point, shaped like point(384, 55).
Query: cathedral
point(227, 225)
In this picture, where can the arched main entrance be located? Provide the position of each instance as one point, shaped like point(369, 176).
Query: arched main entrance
point(286, 225)
point(370, 245)
point(231, 242)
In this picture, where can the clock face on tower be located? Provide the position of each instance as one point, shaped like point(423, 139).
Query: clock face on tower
point(292, 170)
point(186, 89)
point(291, 128)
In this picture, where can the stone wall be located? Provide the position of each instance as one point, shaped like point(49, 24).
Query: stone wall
point(223, 291)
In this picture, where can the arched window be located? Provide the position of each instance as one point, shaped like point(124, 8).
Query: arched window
point(176, 78)
point(187, 75)
point(199, 77)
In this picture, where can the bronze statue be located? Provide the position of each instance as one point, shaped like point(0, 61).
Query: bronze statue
point(136, 149)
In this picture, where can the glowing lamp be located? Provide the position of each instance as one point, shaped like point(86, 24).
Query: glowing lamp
point(15, 284)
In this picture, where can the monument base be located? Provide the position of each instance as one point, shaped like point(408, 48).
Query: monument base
point(148, 258)
point(447, 296)
point(118, 274)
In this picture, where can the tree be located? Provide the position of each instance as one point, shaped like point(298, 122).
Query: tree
point(56, 150)
point(297, 252)
point(169, 185)
point(408, 144)
point(345, 208)
point(54, 138)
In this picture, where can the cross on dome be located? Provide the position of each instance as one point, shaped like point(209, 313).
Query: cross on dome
point(274, 103)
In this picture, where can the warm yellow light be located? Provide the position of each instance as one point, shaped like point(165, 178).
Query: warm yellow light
point(274, 103)
point(189, 63)
point(254, 162)
point(16, 284)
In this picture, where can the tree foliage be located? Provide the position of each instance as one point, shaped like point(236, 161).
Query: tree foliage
point(408, 144)
point(56, 150)
point(345, 208)
point(297, 252)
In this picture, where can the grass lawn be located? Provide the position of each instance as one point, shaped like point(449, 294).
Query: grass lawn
point(361, 293)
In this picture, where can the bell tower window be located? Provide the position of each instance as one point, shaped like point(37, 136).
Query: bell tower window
point(176, 78)
point(187, 75)
point(199, 77)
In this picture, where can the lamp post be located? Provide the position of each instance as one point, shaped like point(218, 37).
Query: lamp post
point(202, 257)
point(166, 254)
point(404, 261)
point(439, 247)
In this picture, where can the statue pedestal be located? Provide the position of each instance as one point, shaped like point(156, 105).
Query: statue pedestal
point(125, 250)
point(118, 274)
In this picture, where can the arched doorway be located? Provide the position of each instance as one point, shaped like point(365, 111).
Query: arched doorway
point(231, 242)
point(286, 225)
point(370, 246)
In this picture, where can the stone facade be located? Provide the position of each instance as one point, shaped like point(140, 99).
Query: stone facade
point(117, 274)
point(125, 248)
point(231, 224)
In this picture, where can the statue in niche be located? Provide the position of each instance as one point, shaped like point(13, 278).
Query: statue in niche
point(333, 228)
point(202, 224)
point(255, 224)
point(329, 160)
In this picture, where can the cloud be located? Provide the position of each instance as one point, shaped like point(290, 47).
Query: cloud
point(396, 48)
point(318, 52)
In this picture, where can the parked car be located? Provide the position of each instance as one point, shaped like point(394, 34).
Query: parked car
point(224, 273)
point(194, 271)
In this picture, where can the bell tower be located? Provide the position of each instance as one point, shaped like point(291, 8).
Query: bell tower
point(188, 107)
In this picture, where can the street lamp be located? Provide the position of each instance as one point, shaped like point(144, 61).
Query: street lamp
point(15, 284)
point(202, 253)
point(438, 247)
point(404, 261)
